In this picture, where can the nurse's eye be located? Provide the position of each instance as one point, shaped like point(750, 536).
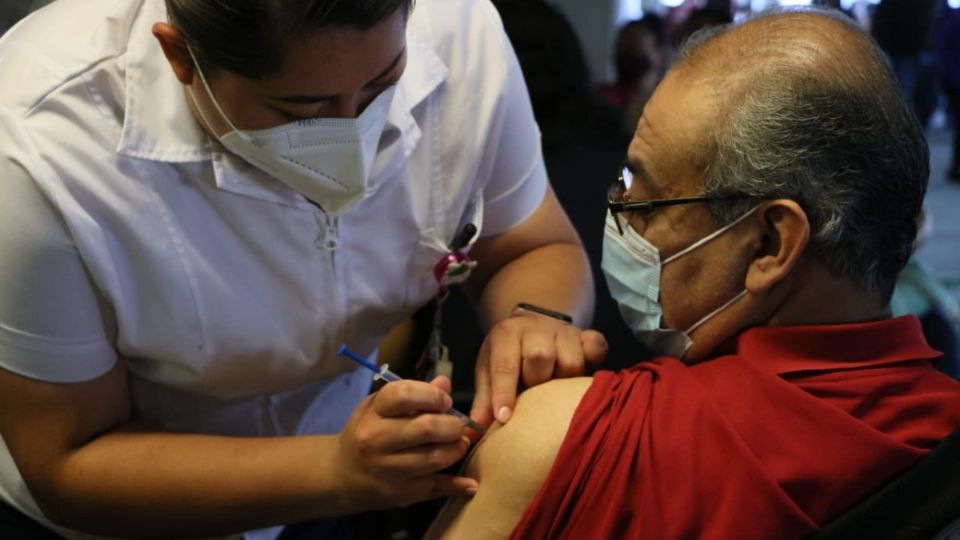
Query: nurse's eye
point(288, 115)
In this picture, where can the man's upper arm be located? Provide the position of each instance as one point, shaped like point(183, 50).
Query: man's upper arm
point(511, 463)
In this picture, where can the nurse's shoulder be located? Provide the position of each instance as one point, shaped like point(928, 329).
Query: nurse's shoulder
point(466, 34)
point(60, 44)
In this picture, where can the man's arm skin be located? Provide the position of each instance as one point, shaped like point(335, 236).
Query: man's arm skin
point(90, 467)
point(511, 462)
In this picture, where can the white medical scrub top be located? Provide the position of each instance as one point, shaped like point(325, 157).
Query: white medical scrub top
point(125, 231)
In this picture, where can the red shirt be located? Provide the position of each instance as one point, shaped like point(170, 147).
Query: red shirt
point(772, 441)
point(616, 94)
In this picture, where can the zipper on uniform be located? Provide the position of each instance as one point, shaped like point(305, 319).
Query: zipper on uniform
point(329, 237)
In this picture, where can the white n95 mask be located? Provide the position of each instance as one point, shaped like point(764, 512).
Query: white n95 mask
point(632, 267)
point(327, 160)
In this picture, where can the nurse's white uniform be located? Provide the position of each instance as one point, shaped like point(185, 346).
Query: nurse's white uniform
point(126, 232)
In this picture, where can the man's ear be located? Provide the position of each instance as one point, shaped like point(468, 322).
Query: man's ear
point(175, 49)
point(784, 239)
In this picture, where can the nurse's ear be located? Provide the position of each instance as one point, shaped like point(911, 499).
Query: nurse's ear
point(175, 49)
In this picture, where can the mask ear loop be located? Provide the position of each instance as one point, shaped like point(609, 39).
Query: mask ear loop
point(713, 313)
point(710, 237)
point(703, 241)
point(213, 99)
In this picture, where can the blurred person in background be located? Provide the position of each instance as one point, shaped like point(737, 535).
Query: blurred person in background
point(639, 59)
point(948, 60)
point(904, 30)
point(700, 19)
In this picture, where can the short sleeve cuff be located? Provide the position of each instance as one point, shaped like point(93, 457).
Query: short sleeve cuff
point(55, 361)
point(513, 207)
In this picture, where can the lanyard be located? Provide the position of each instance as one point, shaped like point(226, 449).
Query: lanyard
point(452, 269)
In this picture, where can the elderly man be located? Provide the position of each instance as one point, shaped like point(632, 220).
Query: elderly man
point(767, 203)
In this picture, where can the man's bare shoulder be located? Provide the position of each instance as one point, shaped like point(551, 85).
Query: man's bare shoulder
point(511, 463)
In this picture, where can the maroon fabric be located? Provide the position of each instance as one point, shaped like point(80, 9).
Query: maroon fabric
point(771, 441)
point(615, 94)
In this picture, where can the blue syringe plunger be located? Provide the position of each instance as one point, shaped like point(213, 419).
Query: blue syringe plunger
point(383, 372)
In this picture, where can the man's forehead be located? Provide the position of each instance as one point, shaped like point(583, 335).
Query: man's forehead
point(677, 128)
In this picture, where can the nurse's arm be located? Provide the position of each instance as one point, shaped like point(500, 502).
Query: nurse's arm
point(91, 468)
point(541, 262)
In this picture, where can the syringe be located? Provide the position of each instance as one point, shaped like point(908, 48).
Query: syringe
point(383, 372)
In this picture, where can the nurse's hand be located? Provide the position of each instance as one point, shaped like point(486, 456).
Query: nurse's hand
point(396, 442)
point(531, 349)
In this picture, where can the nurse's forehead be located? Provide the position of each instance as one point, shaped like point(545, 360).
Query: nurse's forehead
point(333, 60)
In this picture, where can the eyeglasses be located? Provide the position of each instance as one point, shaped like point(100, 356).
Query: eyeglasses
point(617, 204)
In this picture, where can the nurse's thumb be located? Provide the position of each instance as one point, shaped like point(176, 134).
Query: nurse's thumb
point(594, 346)
point(434, 486)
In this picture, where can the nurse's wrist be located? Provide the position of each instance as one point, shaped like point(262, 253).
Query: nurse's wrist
point(336, 495)
point(527, 309)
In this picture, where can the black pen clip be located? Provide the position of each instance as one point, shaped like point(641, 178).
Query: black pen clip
point(463, 238)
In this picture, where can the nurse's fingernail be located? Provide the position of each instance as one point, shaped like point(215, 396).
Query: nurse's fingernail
point(503, 414)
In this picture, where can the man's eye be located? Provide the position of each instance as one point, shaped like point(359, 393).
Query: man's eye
point(641, 212)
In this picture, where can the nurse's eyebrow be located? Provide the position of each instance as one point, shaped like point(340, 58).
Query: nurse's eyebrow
point(316, 99)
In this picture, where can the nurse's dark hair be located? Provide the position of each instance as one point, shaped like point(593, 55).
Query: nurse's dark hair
point(250, 37)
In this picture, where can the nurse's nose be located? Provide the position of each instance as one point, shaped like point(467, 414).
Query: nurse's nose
point(353, 104)
point(347, 106)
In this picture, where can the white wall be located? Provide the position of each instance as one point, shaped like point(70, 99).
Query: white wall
point(595, 24)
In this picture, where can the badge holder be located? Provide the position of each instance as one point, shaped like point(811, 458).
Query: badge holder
point(452, 269)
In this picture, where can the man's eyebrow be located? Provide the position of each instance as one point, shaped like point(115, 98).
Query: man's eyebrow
point(305, 99)
point(637, 168)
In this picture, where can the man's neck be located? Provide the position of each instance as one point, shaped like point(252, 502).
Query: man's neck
point(825, 299)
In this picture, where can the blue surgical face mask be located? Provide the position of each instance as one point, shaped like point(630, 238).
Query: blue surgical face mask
point(632, 267)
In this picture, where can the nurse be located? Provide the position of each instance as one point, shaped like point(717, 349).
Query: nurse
point(202, 200)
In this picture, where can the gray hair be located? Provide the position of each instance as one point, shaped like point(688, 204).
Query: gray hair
point(831, 131)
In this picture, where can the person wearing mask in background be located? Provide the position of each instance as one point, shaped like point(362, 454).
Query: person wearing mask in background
point(202, 200)
point(753, 239)
point(639, 59)
point(920, 292)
